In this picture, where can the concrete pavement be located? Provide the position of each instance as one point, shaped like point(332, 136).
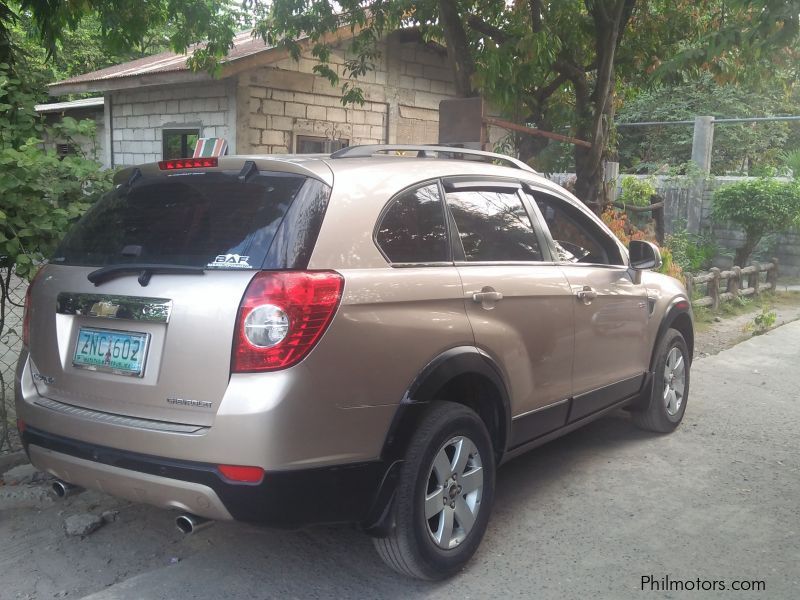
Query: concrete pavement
point(586, 516)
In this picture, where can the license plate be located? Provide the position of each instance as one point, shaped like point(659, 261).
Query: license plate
point(120, 352)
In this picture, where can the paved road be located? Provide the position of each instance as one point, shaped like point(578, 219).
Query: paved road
point(583, 517)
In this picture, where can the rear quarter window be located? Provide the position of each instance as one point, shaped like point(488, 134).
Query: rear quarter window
point(412, 229)
point(209, 220)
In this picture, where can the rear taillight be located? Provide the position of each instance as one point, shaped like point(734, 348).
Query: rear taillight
point(282, 316)
point(26, 314)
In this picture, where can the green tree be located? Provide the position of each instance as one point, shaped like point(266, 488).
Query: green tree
point(546, 64)
point(78, 51)
point(124, 27)
point(759, 207)
point(740, 148)
point(537, 61)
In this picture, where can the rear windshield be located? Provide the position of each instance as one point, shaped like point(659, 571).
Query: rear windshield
point(210, 220)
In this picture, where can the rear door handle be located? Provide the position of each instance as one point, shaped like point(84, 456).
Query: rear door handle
point(587, 294)
point(487, 297)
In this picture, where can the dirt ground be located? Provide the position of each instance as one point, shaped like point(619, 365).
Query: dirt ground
point(723, 331)
point(39, 560)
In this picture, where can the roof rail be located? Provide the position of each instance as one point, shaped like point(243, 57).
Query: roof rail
point(427, 151)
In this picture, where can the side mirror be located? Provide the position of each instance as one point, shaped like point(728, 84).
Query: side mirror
point(644, 256)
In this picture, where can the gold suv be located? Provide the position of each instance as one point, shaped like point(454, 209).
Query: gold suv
point(356, 338)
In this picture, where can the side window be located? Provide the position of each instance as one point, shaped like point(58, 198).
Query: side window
point(413, 228)
point(493, 225)
point(576, 237)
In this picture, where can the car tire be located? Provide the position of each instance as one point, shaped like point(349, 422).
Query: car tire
point(670, 389)
point(450, 459)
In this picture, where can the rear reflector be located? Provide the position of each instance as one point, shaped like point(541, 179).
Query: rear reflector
point(20, 425)
point(242, 474)
point(26, 314)
point(187, 163)
point(282, 316)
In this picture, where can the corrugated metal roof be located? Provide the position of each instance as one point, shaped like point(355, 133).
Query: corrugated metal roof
point(244, 44)
point(71, 105)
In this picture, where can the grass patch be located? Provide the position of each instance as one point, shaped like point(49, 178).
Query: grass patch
point(704, 316)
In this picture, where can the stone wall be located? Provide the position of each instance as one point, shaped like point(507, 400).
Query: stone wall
point(141, 116)
point(283, 100)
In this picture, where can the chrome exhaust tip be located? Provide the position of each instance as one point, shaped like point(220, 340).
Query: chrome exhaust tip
point(189, 524)
point(62, 489)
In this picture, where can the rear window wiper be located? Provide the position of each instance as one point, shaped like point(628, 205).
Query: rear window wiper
point(145, 271)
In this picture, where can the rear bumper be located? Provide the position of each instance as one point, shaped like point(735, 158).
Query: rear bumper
point(340, 494)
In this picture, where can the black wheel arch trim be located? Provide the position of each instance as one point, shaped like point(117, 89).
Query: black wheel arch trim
point(460, 360)
point(677, 306)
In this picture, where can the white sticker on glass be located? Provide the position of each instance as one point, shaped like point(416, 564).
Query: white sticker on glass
point(230, 261)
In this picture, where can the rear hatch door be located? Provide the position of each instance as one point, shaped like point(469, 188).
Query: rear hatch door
point(135, 314)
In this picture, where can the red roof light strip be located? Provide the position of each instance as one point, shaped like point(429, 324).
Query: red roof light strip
point(187, 163)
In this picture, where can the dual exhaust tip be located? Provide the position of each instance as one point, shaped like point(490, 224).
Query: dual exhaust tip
point(189, 524)
point(186, 523)
point(62, 489)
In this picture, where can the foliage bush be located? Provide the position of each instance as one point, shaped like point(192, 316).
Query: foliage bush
point(692, 252)
point(637, 191)
point(626, 231)
point(759, 207)
point(791, 161)
point(41, 193)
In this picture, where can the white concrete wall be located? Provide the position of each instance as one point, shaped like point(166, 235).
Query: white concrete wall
point(140, 117)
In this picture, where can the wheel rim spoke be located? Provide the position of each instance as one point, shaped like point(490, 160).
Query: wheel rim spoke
point(464, 515)
point(671, 402)
point(463, 449)
point(444, 534)
point(472, 481)
point(434, 504)
point(441, 467)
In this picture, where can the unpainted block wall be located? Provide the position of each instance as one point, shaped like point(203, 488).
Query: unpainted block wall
point(286, 99)
point(140, 117)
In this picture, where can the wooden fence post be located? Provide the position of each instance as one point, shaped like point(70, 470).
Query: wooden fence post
point(689, 282)
point(713, 288)
point(658, 217)
point(733, 282)
point(772, 275)
point(755, 278)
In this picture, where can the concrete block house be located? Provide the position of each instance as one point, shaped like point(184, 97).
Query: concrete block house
point(264, 102)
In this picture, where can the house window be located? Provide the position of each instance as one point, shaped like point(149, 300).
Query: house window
point(307, 144)
point(179, 143)
point(63, 150)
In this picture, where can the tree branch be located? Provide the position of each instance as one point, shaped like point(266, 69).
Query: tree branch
point(481, 26)
point(551, 88)
point(536, 15)
point(458, 50)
